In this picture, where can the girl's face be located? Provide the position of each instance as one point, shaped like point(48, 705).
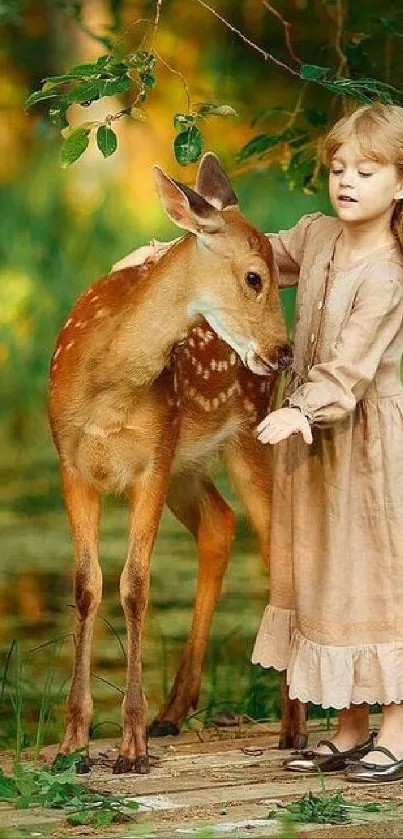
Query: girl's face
point(360, 188)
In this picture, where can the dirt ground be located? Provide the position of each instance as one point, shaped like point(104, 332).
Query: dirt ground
point(213, 783)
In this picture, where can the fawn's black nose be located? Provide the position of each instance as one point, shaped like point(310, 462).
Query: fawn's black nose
point(284, 356)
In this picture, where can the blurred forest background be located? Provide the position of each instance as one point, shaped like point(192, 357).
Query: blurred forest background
point(61, 228)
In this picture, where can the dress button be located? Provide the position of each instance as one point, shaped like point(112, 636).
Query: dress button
point(312, 337)
point(320, 304)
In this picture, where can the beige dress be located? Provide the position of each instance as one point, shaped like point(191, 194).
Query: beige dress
point(335, 617)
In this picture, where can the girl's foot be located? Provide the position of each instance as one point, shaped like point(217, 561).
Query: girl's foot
point(332, 760)
point(390, 736)
point(352, 730)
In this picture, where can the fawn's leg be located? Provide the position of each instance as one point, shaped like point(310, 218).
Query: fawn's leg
point(146, 503)
point(249, 466)
point(200, 507)
point(83, 508)
point(294, 729)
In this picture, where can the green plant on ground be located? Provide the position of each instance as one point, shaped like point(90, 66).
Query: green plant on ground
point(325, 808)
point(28, 786)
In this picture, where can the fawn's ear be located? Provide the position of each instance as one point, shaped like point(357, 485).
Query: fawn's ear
point(185, 207)
point(213, 184)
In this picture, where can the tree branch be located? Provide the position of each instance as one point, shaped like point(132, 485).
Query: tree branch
point(267, 56)
point(287, 30)
point(181, 76)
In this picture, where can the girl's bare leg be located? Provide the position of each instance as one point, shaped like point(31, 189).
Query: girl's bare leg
point(352, 729)
point(390, 734)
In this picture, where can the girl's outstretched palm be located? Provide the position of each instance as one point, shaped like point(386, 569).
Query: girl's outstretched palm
point(281, 424)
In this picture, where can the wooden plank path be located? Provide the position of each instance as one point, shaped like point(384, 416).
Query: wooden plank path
point(225, 780)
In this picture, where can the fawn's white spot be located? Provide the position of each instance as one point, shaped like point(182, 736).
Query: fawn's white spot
point(70, 345)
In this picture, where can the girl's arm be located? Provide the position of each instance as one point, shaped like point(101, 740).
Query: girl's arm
point(334, 387)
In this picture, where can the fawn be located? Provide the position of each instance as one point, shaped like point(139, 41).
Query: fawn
point(157, 368)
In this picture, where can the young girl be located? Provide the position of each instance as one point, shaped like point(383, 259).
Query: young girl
point(335, 618)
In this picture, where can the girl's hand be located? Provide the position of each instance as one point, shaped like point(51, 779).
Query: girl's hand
point(145, 253)
point(281, 424)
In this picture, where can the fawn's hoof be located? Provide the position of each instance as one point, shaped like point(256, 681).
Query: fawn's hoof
point(141, 765)
point(122, 765)
point(163, 728)
point(296, 741)
point(83, 765)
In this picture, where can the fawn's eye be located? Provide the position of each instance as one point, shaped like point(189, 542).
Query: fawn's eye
point(253, 280)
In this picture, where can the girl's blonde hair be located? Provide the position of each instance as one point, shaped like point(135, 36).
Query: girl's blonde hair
point(378, 131)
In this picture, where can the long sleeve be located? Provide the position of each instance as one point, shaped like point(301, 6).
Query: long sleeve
point(334, 387)
point(288, 248)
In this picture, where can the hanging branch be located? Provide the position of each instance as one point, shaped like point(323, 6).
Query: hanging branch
point(287, 30)
point(267, 56)
point(133, 73)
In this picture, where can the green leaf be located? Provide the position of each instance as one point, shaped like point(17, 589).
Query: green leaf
point(25, 779)
point(313, 73)
point(96, 818)
point(216, 110)
point(57, 115)
point(316, 118)
point(188, 146)
point(107, 140)
point(8, 787)
point(81, 817)
point(182, 121)
point(264, 142)
point(80, 71)
point(74, 146)
point(276, 109)
point(97, 88)
point(39, 96)
point(63, 765)
point(147, 78)
point(86, 92)
point(118, 85)
point(132, 805)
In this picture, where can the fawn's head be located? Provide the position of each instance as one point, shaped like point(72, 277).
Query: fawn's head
point(235, 278)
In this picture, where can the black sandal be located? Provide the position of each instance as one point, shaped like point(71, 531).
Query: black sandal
point(375, 773)
point(311, 761)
